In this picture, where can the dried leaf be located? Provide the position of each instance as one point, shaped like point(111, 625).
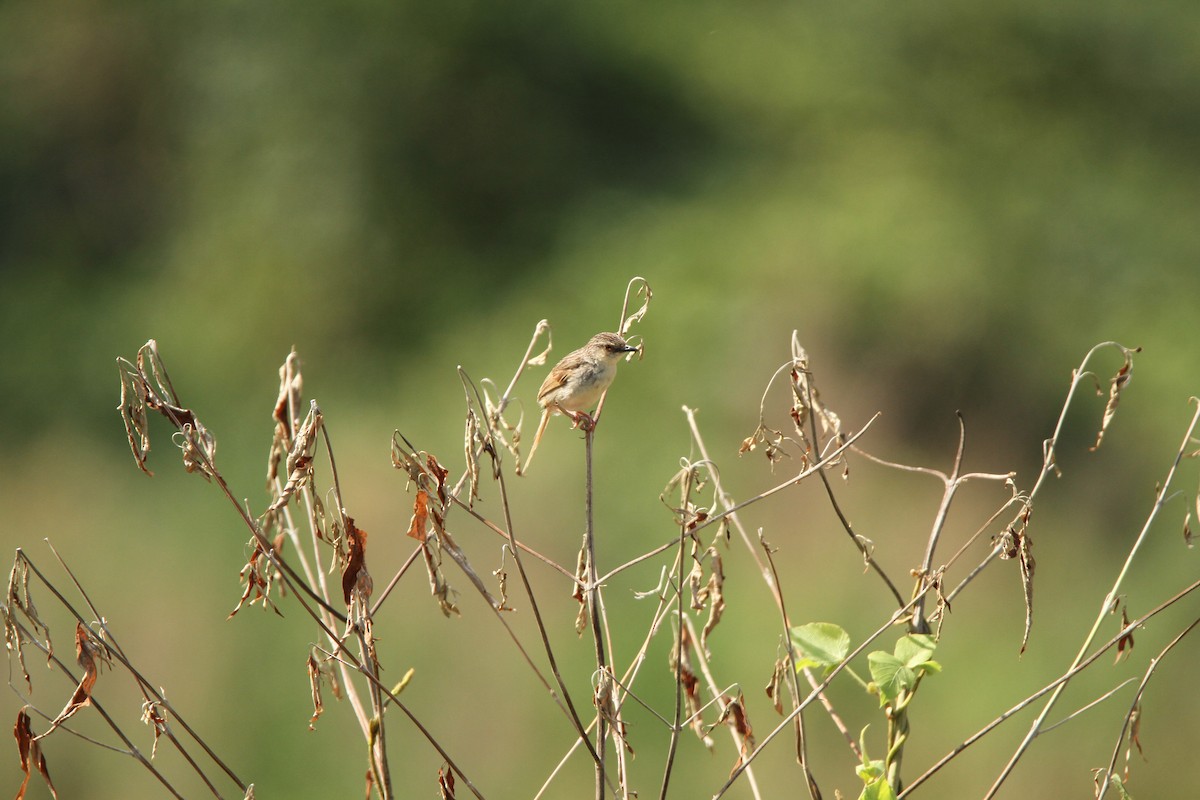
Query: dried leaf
point(1116, 385)
point(299, 462)
point(416, 527)
point(605, 700)
point(734, 714)
point(1187, 530)
point(712, 595)
point(31, 754)
point(152, 715)
point(774, 684)
point(19, 599)
point(258, 575)
point(314, 683)
point(688, 680)
point(1015, 543)
point(431, 548)
point(445, 783)
point(87, 650)
point(1125, 643)
point(356, 581)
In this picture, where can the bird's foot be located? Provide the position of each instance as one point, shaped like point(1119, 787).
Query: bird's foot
point(583, 421)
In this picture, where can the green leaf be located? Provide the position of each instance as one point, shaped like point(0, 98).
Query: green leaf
point(891, 675)
point(821, 644)
point(878, 790)
point(915, 649)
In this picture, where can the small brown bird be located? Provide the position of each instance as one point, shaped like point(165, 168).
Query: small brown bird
point(578, 381)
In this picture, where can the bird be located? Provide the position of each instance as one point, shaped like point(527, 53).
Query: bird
point(577, 383)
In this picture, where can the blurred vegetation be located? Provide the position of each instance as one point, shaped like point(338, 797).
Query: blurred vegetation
point(950, 203)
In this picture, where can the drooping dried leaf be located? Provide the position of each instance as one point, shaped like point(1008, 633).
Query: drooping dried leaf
point(355, 578)
point(258, 576)
point(1116, 385)
point(431, 548)
point(733, 714)
point(20, 600)
point(1016, 544)
point(31, 754)
point(605, 700)
point(314, 685)
point(775, 683)
point(87, 650)
point(299, 462)
point(420, 516)
point(712, 595)
point(681, 667)
point(152, 715)
point(1187, 530)
point(445, 783)
point(146, 387)
point(1125, 643)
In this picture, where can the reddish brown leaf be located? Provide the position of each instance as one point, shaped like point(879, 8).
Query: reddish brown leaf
point(1125, 643)
point(31, 754)
point(354, 575)
point(86, 651)
point(445, 784)
point(416, 528)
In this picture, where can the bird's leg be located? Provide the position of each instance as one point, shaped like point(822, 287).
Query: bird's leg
point(581, 420)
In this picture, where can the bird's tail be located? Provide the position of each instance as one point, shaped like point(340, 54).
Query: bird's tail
point(536, 439)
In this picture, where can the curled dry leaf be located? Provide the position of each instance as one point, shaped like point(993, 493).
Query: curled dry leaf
point(1115, 387)
point(775, 683)
point(314, 684)
point(712, 595)
point(299, 462)
point(681, 666)
point(1016, 544)
point(420, 516)
point(356, 581)
point(87, 650)
point(20, 600)
point(146, 387)
point(445, 783)
point(152, 715)
point(31, 754)
point(605, 700)
point(734, 715)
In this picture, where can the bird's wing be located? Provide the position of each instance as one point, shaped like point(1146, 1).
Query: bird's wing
point(554, 380)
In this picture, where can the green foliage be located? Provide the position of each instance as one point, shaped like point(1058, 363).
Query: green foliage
point(897, 673)
point(820, 644)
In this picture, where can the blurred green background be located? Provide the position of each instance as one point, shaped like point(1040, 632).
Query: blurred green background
point(950, 203)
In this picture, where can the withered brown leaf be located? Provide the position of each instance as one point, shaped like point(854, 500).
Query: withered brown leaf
point(31, 754)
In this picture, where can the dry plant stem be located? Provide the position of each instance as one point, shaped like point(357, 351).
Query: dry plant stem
point(1105, 605)
point(716, 518)
point(1137, 699)
point(951, 484)
point(862, 548)
point(564, 702)
point(676, 724)
point(592, 594)
point(718, 696)
point(893, 618)
point(1054, 686)
point(770, 576)
point(294, 582)
point(541, 626)
point(130, 748)
point(144, 686)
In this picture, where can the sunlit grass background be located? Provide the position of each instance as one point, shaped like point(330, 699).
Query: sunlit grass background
point(950, 204)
